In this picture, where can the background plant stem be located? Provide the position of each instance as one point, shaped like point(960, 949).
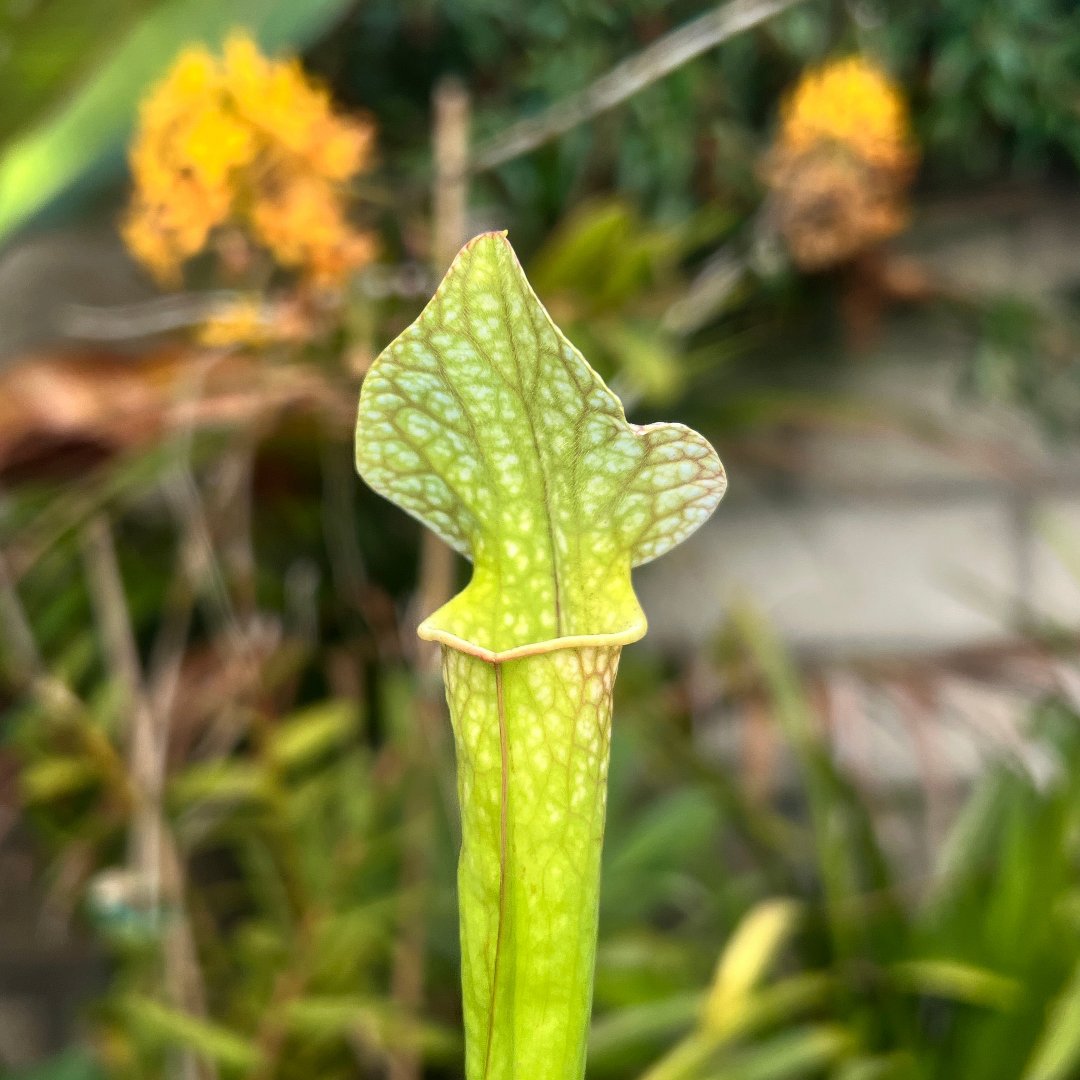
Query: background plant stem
point(436, 582)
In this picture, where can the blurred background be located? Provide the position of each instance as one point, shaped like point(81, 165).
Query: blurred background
point(839, 237)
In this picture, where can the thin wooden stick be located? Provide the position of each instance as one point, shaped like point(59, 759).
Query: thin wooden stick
point(627, 78)
point(23, 658)
point(153, 855)
point(449, 228)
point(118, 641)
point(450, 190)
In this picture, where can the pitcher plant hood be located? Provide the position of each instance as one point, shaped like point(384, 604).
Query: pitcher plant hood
point(484, 422)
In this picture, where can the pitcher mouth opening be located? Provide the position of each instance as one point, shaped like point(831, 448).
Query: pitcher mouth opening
point(427, 631)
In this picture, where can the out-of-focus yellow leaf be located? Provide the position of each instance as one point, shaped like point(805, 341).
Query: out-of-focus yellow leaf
point(747, 957)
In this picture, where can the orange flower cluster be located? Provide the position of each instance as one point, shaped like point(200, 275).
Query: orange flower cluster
point(842, 163)
point(252, 143)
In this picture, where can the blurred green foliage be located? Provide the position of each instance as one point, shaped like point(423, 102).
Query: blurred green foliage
point(739, 939)
point(310, 802)
point(994, 85)
point(67, 1066)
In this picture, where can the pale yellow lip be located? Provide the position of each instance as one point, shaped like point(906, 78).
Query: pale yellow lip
point(580, 641)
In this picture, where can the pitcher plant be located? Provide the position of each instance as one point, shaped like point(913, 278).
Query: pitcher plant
point(484, 422)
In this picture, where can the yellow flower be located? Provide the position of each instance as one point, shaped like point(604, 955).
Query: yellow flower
point(341, 151)
point(213, 144)
point(841, 164)
point(280, 99)
point(193, 74)
point(234, 142)
point(854, 104)
point(152, 246)
point(303, 226)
